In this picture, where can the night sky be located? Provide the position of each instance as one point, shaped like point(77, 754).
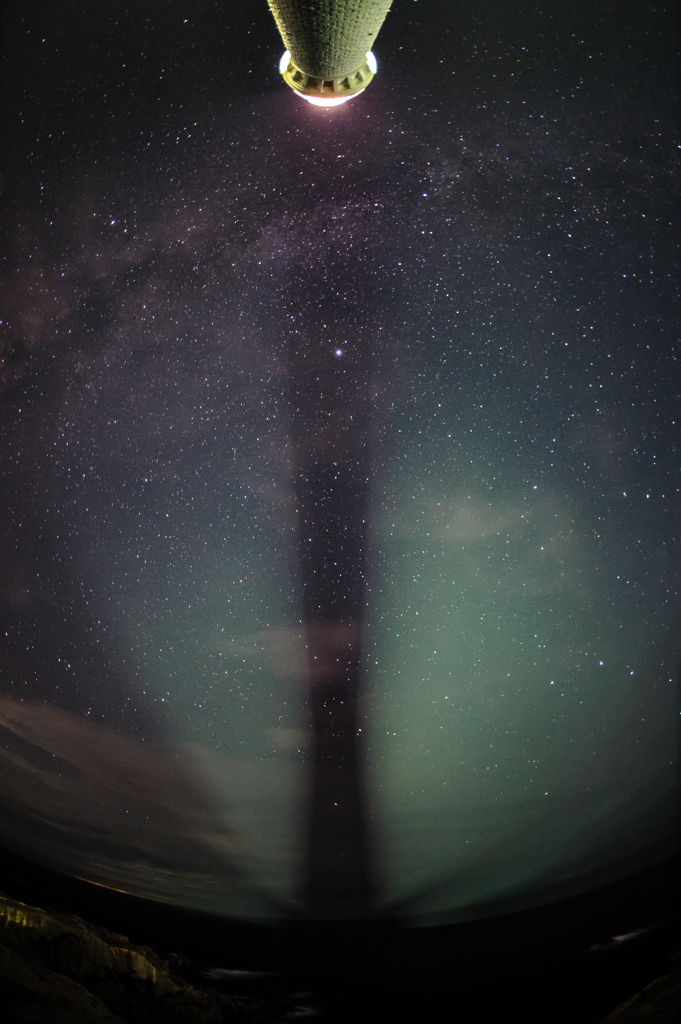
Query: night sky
point(340, 476)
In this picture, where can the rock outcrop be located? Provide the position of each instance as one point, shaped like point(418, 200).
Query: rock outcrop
point(658, 1003)
point(58, 969)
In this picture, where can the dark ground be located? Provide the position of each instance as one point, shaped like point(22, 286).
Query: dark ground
point(537, 961)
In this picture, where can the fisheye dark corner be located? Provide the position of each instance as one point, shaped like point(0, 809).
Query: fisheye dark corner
point(339, 508)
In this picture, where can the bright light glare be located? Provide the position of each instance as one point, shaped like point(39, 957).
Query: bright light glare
point(331, 101)
point(283, 63)
point(372, 62)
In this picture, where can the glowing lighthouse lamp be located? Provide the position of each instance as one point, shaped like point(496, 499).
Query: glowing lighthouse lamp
point(329, 92)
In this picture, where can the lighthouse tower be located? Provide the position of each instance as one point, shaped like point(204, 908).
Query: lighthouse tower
point(328, 57)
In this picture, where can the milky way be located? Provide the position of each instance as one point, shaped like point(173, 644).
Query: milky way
point(341, 475)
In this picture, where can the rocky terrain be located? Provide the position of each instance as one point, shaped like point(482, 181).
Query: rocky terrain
point(658, 1003)
point(58, 969)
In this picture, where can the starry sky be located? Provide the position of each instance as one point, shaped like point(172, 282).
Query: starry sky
point(340, 472)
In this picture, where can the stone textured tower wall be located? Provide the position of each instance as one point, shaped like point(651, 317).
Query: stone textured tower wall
point(329, 38)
